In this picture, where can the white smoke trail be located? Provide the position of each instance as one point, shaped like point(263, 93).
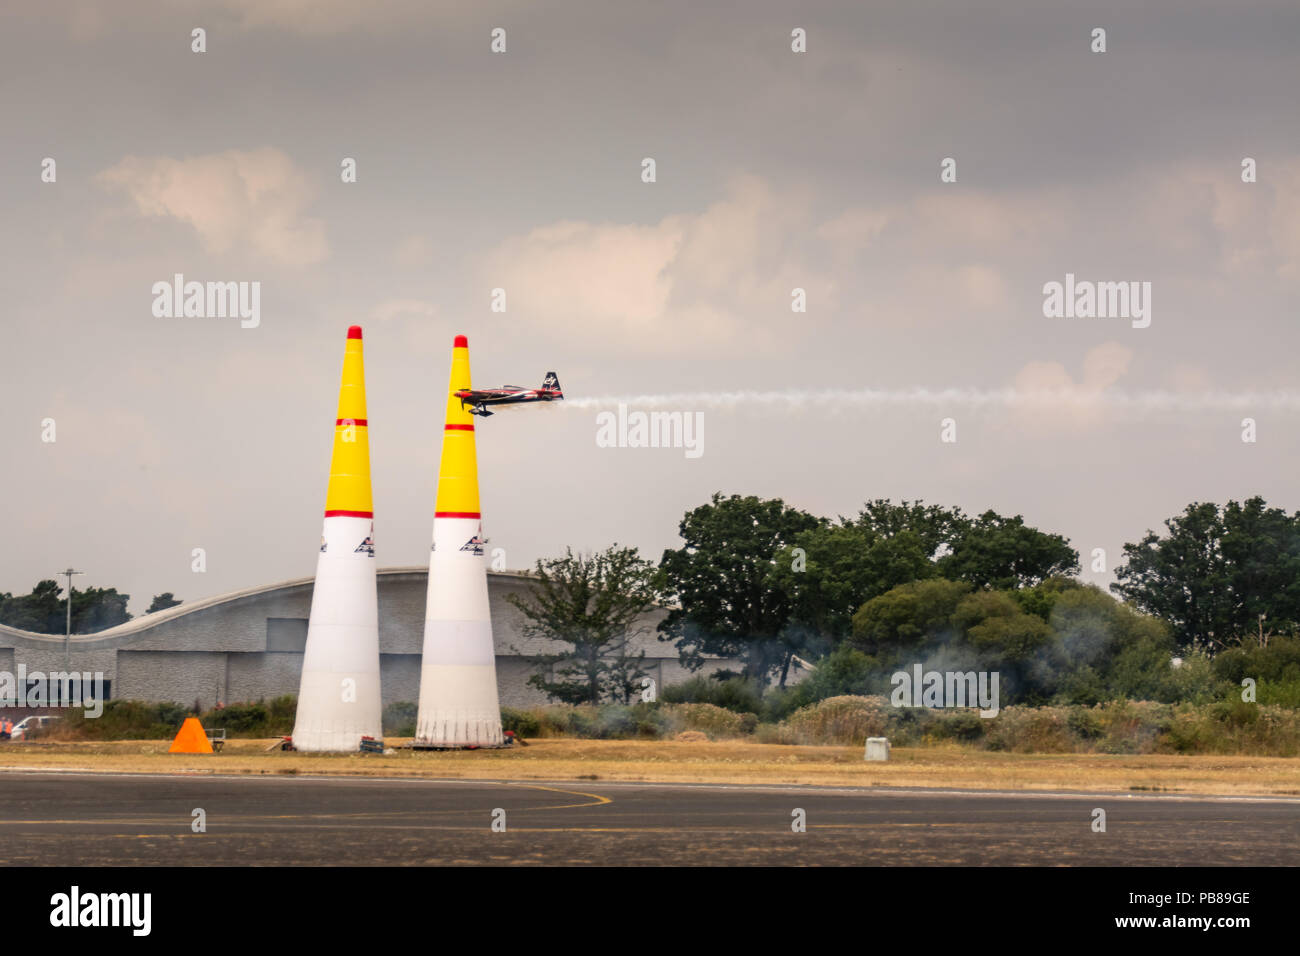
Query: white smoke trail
point(864, 398)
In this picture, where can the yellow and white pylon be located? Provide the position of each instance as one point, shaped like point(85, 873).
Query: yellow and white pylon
point(458, 681)
point(339, 698)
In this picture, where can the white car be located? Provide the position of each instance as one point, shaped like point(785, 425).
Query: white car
point(31, 726)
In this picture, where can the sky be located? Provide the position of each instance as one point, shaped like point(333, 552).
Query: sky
point(523, 170)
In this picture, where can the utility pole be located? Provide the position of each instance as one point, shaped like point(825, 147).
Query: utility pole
point(67, 636)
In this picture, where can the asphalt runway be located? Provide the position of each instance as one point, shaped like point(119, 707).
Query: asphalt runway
point(75, 819)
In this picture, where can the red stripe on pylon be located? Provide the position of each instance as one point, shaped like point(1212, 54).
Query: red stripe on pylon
point(458, 428)
point(353, 421)
point(457, 514)
point(349, 514)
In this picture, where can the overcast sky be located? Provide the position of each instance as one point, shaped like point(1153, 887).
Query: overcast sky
point(522, 170)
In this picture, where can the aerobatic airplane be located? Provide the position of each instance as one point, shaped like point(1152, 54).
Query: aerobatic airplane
point(481, 398)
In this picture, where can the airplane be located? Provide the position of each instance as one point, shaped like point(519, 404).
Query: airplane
point(481, 398)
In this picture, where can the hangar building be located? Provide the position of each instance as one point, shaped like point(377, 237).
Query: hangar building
point(248, 645)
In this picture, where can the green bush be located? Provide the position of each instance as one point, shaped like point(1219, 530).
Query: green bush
point(399, 718)
point(283, 708)
point(959, 724)
point(845, 671)
point(840, 720)
point(652, 721)
point(124, 720)
point(1131, 726)
point(523, 722)
point(1279, 693)
point(602, 722)
point(1031, 730)
point(1194, 681)
point(137, 720)
point(1279, 661)
point(627, 721)
point(769, 734)
point(1188, 732)
point(1232, 727)
point(1117, 727)
point(778, 703)
point(717, 722)
point(732, 693)
point(1235, 713)
point(613, 722)
point(1084, 723)
point(239, 719)
point(1228, 726)
point(256, 719)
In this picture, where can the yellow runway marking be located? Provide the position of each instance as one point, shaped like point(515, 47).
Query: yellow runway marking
point(597, 799)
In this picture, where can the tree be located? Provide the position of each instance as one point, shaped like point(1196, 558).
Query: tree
point(45, 612)
point(853, 561)
point(908, 616)
point(1216, 571)
point(842, 567)
point(33, 612)
point(731, 600)
point(593, 603)
point(936, 527)
point(1261, 551)
point(162, 601)
point(1181, 576)
point(944, 625)
point(95, 609)
point(1002, 553)
point(1108, 650)
point(994, 623)
point(1041, 598)
point(1005, 638)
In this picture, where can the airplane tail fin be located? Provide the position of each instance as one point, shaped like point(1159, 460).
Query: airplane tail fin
point(552, 381)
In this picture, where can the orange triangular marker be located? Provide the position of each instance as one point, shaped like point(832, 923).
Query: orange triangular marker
point(190, 739)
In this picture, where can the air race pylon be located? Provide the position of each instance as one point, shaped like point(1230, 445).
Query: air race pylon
point(458, 680)
point(338, 698)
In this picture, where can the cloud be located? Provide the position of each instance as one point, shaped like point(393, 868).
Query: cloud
point(329, 17)
point(411, 320)
point(723, 276)
point(712, 276)
point(392, 310)
point(414, 251)
point(596, 279)
point(726, 274)
point(235, 198)
point(1258, 223)
point(1073, 402)
point(1105, 365)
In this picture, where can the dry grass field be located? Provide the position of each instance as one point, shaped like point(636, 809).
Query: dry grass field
point(698, 762)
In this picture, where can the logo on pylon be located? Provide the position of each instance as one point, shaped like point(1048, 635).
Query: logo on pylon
point(367, 546)
point(474, 544)
point(323, 545)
